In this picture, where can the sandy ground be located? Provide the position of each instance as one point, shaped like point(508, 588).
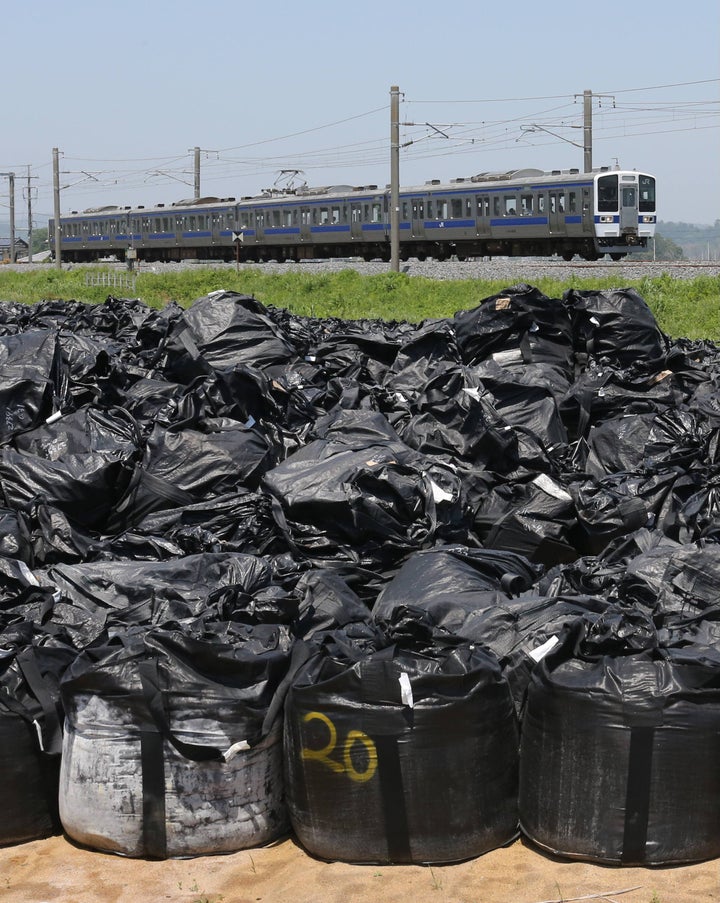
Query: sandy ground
point(58, 871)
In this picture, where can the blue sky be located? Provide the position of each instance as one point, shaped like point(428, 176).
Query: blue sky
point(126, 90)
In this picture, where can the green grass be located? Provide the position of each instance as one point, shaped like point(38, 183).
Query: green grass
point(683, 307)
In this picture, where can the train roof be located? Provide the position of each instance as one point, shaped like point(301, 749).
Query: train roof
point(493, 179)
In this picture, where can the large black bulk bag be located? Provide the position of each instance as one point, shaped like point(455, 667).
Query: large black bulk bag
point(166, 751)
point(30, 738)
point(400, 753)
point(616, 324)
point(619, 753)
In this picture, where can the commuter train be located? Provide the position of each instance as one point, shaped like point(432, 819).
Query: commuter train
point(523, 212)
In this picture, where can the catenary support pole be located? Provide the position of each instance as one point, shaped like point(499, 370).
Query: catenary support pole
point(395, 179)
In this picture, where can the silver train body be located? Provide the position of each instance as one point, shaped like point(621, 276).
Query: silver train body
point(519, 213)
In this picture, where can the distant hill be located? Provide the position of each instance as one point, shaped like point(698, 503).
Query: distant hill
point(697, 242)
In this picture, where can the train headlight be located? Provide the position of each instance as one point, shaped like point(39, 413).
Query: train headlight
point(648, 219)
point(606, 219)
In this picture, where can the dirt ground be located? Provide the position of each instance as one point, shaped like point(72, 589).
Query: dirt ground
point(56, 871)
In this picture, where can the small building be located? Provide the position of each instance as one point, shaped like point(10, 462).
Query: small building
point(21, 249)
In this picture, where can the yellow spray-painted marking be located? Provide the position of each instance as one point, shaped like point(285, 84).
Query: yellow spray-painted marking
point(346, 766)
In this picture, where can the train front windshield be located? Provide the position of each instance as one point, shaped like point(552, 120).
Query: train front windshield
point(616, 192)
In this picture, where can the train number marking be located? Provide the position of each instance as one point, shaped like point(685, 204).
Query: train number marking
point(342, 750)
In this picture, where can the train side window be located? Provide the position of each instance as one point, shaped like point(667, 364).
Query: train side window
point(405, 210)
point(496, 206)
point(335, 214)
point(376, 213)
point(468, 206)
point(442, 209)
point(276, 218)
point(430, 207)
point(572, 202)
point(456, 208)
point(561, 203)
point(510, 205)
point(287, 217)
point(526, 204)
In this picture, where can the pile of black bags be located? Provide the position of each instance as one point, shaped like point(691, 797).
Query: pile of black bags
point(405, 590)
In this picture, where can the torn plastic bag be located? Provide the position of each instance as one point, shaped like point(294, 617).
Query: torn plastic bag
point(402, 750)
point(616, 324)
point(166, 752)
point(30, 734)
point(363, 495)
point(618, 750)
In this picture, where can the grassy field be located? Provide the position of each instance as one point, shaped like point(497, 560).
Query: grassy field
point(683, 307)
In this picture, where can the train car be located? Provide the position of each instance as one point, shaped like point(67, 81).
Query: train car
point(517, 213)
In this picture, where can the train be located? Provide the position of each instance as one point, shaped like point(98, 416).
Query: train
point(523, 212)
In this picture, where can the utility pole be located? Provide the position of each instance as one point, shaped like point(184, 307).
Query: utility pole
point(197, 173)
point(587, 131)
point(29, 203)
point(11, 192)
point(56, 196)
point(395, 179)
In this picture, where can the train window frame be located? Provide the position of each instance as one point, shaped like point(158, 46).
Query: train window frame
point(646, 194)
point(376, 212)
point(431, 208)
point(572, 201)
point(455, 208)
point(561, 202)
point(405, 211)
point(608, 196)
point(510, 204)
point(442, 208)
point(496, 205)
point(526, 204)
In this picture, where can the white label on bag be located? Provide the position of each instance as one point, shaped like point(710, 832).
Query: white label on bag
point(439, 494)
point(543, 481)
point(233, 750)
point(406, 693)
point(539, 654)
point(39, 733)
point(28, 574)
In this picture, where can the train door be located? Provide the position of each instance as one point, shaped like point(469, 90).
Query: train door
point(628, 209)
point(418, 217)
point(556, 219)
point(260, 218)
point(305, 224)
point(356, 221)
